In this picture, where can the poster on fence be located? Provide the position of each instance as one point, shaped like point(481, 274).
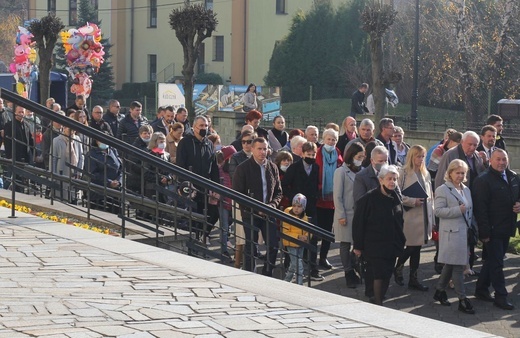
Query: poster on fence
point(210, 98)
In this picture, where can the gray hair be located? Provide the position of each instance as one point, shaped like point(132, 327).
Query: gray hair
point(470, 133)
point(311, 127)
point(387, 169)
point(378, 151)
point(296, 141)
point(367, 122)
point(330, 132)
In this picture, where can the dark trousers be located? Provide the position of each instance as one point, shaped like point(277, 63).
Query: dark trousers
point(325, 220)
point(271, 238)
point(492, 272)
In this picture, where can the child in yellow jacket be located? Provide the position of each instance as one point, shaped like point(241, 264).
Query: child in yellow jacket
point(295, 251)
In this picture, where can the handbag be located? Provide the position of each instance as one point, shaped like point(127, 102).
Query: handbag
point(472, 230)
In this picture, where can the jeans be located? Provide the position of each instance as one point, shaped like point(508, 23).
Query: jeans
point(271, 238)
point(296, 265)
point(224, 228)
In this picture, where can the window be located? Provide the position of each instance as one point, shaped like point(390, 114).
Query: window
point(73, 12)
point(281, 6)
point(153, 14)
point(51, 6)
point(152, 67)
point(208, 4)
point(218, 48)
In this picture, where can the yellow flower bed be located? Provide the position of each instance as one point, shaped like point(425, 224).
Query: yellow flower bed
point(64, 220)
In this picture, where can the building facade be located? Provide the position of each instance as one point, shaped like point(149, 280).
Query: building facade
point(145, 47)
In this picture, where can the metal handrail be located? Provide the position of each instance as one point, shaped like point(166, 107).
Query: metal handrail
point(184, 174)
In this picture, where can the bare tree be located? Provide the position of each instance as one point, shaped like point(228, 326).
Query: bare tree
point(376, 19)
point(192, 25)
point(45, 33)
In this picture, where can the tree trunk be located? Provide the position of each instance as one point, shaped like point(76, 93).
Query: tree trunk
point(464, 65)
point(188, 73)
point(45, 76)
point(378, 90)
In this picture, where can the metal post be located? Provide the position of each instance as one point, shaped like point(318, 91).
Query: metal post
point(13, 163)
point(415, 92)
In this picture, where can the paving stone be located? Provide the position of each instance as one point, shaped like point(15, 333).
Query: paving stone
point(113, 330)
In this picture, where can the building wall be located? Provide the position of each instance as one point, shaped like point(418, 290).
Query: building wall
point(250, 29)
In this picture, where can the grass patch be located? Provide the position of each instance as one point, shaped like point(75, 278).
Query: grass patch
point(514, 245)
point(335, 110)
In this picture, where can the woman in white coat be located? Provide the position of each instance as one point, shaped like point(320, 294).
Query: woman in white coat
point(344, 207)
point(454, 207)
point(418, 215)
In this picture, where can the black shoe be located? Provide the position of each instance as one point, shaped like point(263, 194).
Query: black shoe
point(441, 297)
point(351, 279)
point(398, 275)
point(465, 306)
point(325, 264)
point(414, 284)
point(315, 276)
point(484, 295)
point(503, 304)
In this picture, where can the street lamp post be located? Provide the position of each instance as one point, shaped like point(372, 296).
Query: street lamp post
point(415, 92)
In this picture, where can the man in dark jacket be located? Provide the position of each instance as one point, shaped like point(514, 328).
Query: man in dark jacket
point(259, 176)
point(358, 101)
point(112, 116)
point(196, 154)
point(128, 129)
point(79, 104)
point(24, 142)
point(97, 121)
point(162, 124)
point(182, 117)
point(496, 194)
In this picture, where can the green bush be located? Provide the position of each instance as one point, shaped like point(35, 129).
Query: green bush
point(209, 78)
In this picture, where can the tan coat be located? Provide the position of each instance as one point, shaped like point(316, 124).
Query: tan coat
point(415, 230)
point(171, 148)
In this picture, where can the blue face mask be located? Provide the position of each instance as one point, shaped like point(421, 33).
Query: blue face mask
point(103, 146)
point(328, 148)
point(218, 147)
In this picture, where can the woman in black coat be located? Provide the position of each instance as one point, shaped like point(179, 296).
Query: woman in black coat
point(378, 230)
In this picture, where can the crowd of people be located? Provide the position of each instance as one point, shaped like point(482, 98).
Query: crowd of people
point(381, 197)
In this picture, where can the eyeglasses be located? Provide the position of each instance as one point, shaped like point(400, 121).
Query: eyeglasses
point(247, 141)
point(96, 112)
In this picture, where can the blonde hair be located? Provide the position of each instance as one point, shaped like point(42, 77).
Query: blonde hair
point(409, 165)
point(454, 165)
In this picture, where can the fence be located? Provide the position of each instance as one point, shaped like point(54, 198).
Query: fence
point(149, 204)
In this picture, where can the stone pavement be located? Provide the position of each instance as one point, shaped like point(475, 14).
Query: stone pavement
point(57, 280)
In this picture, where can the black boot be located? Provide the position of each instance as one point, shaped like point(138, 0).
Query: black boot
point(352, 279)
point(414, 283)
point(398, 275)
point(441, 297)
point(465, 306)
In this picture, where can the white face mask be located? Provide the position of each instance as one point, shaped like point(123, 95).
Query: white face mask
point(284, 167)
point(357, 163)
point(161, 145)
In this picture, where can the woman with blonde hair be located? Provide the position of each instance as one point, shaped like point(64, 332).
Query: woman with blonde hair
point(454, 207)
point(416, 188)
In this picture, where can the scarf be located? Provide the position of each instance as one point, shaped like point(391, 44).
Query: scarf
point(281, 136)
point(330, 163)
point(350, 136)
